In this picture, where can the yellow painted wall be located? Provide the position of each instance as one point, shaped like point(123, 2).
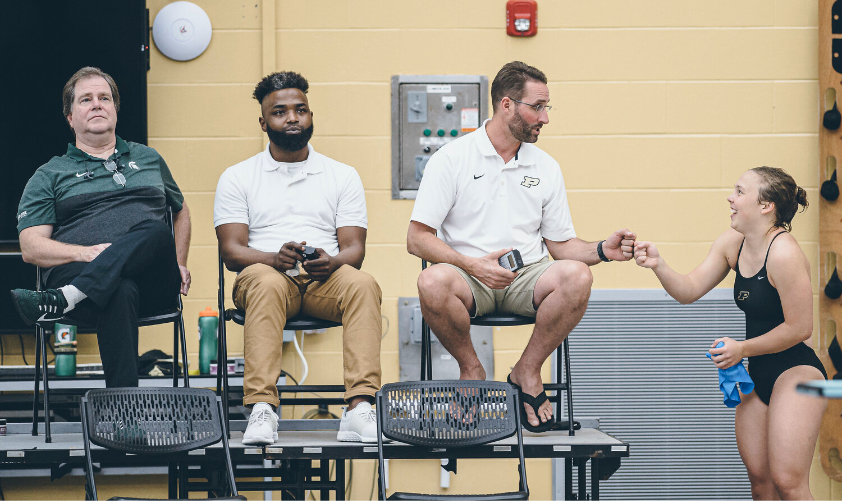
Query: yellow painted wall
point(658, 107)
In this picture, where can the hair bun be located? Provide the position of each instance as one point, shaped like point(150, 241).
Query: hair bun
point(801, 197)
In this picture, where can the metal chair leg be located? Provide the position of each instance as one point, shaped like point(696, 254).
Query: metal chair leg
point(426, 344)
point(222, 346)
point(425, 341)
point(566, 346)
point(183, 338)
point(340, 479)
point(175, 356)
point(35, 398)
point(172, 480)
point(183, 480)
point(90, 482)
point(558, 375)
point(48, 436)
point(220, 334)
point(429, 354)
point(568, 478)
point(232, 482)
point(222, 365)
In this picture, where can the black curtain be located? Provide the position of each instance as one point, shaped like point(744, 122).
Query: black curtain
point(42, 43)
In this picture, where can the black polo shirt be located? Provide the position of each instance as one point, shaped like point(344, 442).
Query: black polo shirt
point(78, 196)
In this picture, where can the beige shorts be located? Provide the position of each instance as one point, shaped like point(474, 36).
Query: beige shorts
point(515, 299)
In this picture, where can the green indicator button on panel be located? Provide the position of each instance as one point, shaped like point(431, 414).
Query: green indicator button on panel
point(440, 133)
point(454, 132)
point(427, 132)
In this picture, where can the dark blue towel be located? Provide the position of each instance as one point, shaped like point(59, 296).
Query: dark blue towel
point(728, 380)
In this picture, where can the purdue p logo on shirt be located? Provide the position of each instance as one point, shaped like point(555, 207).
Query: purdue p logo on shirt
point(529, 182)
point(743, 295)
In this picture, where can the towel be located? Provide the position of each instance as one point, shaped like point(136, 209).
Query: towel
point(728, 380)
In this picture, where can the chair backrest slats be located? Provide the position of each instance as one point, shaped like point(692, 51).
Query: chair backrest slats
point(153, 420)
point(448, 413)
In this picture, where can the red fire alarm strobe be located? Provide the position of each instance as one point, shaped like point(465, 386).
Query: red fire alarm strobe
point(522, 18)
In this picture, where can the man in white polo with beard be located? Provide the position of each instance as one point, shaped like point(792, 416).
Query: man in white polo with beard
point(483, 195)
point(267, 208)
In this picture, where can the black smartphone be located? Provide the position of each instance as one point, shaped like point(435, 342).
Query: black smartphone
point(511, 260)
point(309, 253)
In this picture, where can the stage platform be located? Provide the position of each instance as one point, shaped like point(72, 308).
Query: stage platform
point(301, 444)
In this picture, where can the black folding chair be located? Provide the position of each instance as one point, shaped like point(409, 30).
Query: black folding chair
point(562, 354)
point(297, 323)
point(42, 334)
point(168, 422)
point(449, 414)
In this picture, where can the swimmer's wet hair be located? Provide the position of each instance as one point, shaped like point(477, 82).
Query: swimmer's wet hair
point(779, 188)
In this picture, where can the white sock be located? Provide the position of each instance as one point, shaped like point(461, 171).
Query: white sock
point(73, 296)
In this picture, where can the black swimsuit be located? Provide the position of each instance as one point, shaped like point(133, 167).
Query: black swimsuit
point(762, 306)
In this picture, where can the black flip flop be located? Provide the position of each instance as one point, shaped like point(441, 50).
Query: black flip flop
point(534, 402)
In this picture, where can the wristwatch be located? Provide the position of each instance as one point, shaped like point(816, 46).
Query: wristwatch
point(600, 253)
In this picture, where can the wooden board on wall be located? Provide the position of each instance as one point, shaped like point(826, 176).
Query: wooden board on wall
point(830, 229)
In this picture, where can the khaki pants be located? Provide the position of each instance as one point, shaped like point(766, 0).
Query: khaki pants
point(269, 297)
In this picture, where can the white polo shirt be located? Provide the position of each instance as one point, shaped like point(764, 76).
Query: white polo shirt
point(279, 207)
point(480, 205)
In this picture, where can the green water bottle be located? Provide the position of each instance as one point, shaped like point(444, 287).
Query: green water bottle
point(65, 349)
point(208, 323)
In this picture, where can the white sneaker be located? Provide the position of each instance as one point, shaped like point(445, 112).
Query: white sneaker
point(358, 425)
point(263, 426)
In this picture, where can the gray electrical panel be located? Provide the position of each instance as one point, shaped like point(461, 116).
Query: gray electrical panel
point(429, 111)
point(444, 365)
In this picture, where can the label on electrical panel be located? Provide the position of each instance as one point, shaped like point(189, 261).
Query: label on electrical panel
point(448, 99)
point(438, 89)
point(470, 119)
point(435, 141)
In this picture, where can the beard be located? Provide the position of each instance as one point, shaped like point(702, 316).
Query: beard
point(522, 130)
point(290, 142)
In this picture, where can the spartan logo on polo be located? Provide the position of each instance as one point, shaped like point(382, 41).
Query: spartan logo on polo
point(743, 295)
point(529, 182)
point(133, 165)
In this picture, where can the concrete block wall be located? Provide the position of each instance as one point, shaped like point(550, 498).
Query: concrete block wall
point(659, 106)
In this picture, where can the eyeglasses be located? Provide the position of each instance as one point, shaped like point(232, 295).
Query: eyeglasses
point(115, 167)
point(537, 107)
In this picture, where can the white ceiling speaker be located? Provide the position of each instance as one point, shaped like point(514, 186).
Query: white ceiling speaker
point(182, 31)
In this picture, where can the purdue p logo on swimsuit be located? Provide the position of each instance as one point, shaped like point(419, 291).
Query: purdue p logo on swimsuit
point(529, 182)
point(742, 295)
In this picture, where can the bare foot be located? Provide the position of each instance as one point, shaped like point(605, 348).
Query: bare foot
point(531, 384)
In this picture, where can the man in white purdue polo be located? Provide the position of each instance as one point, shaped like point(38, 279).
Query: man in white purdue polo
point(267, 208)
point(483, 195)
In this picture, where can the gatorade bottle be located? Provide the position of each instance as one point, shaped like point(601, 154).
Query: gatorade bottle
point(65, 349)
point(208, 323)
